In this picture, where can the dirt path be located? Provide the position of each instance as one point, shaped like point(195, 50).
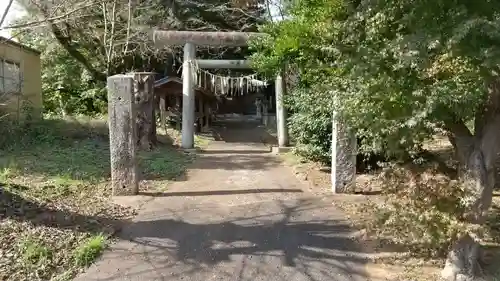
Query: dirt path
point(239, 215)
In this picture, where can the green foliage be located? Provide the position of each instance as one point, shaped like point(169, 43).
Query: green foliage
point(89, 250)
point(396, 70)
point(34, 253)
point(310, 125)
point(102, 39)
point(67, 87)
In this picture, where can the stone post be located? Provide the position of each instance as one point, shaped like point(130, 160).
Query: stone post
point(188, 96)
point(122, 135)
point(344, 149)
point(163, 111)
point(265, 113)
point(178, 109)
point(281, 112)
point(201, 112)
point(258, 109)
point(206, 123)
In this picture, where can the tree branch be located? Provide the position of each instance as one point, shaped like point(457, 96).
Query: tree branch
point(47, 19)
point(63, 40)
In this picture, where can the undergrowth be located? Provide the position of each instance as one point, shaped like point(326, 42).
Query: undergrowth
point(423, 210)
point(56, 216)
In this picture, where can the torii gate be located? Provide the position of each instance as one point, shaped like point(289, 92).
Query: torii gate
point(122, 111)
point(190, 40)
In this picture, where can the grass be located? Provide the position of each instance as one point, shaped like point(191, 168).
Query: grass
point(56, 215)
point(90, 250)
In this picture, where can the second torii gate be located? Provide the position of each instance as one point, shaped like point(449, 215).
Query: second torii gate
point(123, 100)
point(190, 39)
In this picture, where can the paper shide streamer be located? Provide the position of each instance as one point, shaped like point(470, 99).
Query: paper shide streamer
point(225, 85)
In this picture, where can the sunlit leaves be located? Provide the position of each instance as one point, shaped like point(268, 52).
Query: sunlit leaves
point(400, 67)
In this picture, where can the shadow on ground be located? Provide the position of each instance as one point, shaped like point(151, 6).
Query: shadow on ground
point(288, 242)
point(221, 192)
point(235, 161)
point(78, 149)
point(15, 206)
point(242, 132)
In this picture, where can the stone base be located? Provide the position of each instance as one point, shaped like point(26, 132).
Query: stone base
point(191, 150)
point(281, 149)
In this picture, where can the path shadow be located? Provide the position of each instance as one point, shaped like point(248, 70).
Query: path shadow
point(235, 161)
point(16, 207)
point(221, 192)
point(226, 151)
point(242, 132)
point(317, 249)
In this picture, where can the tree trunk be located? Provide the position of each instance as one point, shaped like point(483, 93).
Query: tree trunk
point(145, 104)
point(477, 176)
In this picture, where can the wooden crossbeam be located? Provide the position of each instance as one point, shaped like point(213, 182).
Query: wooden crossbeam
point(164, 38)
point(229, 64)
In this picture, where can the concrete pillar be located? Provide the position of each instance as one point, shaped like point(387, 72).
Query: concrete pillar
point(281, 112)
point(122, 135)
point(344, 149)
point(188, 96)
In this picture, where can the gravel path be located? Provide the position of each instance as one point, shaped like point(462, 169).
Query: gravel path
point(239, 215)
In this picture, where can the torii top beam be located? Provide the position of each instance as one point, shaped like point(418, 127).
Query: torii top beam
point(164, 38)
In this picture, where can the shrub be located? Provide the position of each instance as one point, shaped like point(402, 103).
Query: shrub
point(310, 123)
point(423, 209)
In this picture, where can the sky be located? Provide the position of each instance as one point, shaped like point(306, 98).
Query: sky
point(15, 12)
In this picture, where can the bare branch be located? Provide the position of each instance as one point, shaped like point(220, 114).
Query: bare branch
point(4, 16)
point(47, 20)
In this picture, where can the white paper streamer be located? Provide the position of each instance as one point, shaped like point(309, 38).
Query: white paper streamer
point(225, 85)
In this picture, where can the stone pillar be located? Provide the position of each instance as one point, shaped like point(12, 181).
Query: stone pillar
point(344, 149)
point(163, 111)
point(206, 111)
point(145, 108)
point(258, 109)
point(179, 109)
point(281, 112)
point(209, 115)
point(201, 113)
point(265, 113)
point(188, 96)
point(122, 135)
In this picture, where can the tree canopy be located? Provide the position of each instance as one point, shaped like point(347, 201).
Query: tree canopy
point(397, 72)
point(85, 41)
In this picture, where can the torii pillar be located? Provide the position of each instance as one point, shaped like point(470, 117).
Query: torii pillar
point(190, 39)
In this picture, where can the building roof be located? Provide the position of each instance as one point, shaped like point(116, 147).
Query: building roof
point(166, 80)
point(13, 43)
point(172, 79)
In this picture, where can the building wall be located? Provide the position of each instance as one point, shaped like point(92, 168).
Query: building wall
point(30, 98)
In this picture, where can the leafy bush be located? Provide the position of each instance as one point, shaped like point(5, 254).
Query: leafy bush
point(422, 209)
point(310, 125)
